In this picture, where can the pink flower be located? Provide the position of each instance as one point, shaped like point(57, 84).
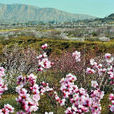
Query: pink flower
point(2, 71)
point(45, 63)
point(77, 55)
point(93, 63)
point(109, 58)
point(112, 108)
point(90, 71)
point(111, 97)
point(21, 80)
point(32, 79)
point(1, 111)
point(9, 108)
point(40, 69)
point(44, 46)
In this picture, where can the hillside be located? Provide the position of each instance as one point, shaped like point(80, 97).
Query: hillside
point(24, 13)
point(108, 19)
point(111, 16)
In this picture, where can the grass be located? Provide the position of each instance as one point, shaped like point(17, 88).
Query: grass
point(9, 99)
point(105, 105)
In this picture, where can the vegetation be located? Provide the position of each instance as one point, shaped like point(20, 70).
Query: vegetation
point(15, 49)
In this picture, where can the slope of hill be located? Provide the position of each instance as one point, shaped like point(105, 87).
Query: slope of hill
point(111, 16)
point(108, 19)
point(24, 13)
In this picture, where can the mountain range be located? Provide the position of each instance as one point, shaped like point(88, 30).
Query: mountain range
point(13, 13)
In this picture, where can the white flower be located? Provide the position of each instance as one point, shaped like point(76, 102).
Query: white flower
point(92, 61)
point(94, 84)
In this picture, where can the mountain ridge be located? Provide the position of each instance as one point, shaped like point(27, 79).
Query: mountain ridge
point(24, 13)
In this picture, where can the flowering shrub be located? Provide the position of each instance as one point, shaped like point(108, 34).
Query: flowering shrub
point(103, 71)
point(81, 101)
point(96, 96)
point(3, 87)
point(74, 98)
point(43, 61)
point(29, 93)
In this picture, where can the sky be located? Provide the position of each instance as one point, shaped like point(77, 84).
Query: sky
point(98, 8)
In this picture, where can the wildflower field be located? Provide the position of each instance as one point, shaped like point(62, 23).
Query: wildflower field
point(46, 76)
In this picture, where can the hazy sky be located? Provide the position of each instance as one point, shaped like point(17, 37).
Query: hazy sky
point(99, 8)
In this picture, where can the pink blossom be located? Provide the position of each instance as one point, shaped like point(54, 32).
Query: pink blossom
point(2, 71)
point(45, 63)
point(111, 108)
point(90, 71)
point(77, 55)
point(111, 98)
point(93, 63)
point(7, 109)
point(109, 58)
point(44, 46)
